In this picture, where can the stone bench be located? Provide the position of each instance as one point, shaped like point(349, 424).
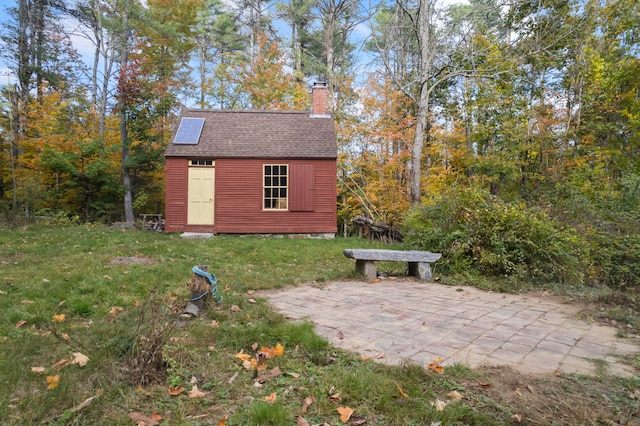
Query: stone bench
point(419, 261)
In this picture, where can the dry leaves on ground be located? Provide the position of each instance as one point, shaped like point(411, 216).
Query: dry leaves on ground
point(80, 359)
point(53, 381)
point(435, 366)
point(345, 413)
point(196, 393)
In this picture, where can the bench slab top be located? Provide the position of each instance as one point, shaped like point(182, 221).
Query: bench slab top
point(392, 255)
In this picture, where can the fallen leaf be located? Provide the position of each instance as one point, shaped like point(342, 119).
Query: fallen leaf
point(345, 413)
point(176, 391)
point(243, 357)
point(258, 385)
point(223, 421)
point(364, 357)
point(58, 317)
point(142, 420)
point(80, 359)
point(340, 335)
point(300, 421)
point(61, 303)
point(271, 398)
point(485, 385)
point(251, 300)
point(235, 308)
point(439, 404)
point(115, 309)
point(403, 393)
point(84, 404)
point(529, 388)
point(156, 416)
point(44, 280)
point(27, 302)
point(195, 392)
point(250, 292)
point(53, 381)
point(307, 402)
point(61, 364)
point(215, 324)
point(65, 336)
point(20, 323)
point(335, 397)
point(294, 375)
point(635, 394)
point(278, 350)
point(273, 373)
point(37, 370)
point(357, 421)
point(517, 417)
point(517, 392)
point(435, 366)
point(136, 303)
point(454, 395)
point(3, 292)
point(4, 339)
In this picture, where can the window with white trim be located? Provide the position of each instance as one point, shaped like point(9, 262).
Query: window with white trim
point(276, 187)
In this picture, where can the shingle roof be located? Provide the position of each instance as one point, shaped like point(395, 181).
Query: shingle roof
point(259, 134)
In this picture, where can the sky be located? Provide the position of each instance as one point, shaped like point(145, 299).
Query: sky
point(85, 48)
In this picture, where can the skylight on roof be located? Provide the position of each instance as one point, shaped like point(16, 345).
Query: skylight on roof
point(189, 130)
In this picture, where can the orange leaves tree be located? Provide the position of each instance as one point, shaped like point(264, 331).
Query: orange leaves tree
point(64, 167)
point(374, 153)
point(264, 83)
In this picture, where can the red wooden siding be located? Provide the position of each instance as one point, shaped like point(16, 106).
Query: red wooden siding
point(301, 187)
point(239, 197)
point(176, 170)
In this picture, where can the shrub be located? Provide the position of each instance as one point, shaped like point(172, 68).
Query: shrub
point(476, 232)
point(615, 260)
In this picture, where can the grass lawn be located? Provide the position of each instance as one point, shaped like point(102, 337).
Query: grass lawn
point(68, 293)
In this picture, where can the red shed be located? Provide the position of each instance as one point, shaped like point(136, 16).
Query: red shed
point(253, 171)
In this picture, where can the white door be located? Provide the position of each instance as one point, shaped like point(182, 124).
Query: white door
point(200, 195)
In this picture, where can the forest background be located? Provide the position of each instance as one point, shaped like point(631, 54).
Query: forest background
point(503, 134)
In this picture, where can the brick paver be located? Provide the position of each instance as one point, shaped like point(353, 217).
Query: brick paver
point(400, 320)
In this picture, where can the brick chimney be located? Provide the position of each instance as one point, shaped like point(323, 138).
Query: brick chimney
point(319, 100)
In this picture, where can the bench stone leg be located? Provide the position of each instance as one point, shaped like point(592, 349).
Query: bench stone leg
point(421, 270)
point(366, 268)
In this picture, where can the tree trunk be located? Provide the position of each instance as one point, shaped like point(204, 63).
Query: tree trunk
point(425, 14)
point(122, 108)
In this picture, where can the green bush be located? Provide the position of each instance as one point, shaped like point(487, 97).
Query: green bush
point(478, 233)
point(615, 260)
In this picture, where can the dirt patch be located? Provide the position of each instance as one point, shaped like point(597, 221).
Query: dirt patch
point(559, 399)
point(131, 260)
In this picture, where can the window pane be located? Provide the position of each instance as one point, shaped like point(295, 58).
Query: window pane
point(267, 181)
point(267, 192)
point(267, 170)
point(283, 181)
point(283, 170)
point(283, 192)
point(267, 204)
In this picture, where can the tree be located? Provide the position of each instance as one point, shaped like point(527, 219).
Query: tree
point(265, 82)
